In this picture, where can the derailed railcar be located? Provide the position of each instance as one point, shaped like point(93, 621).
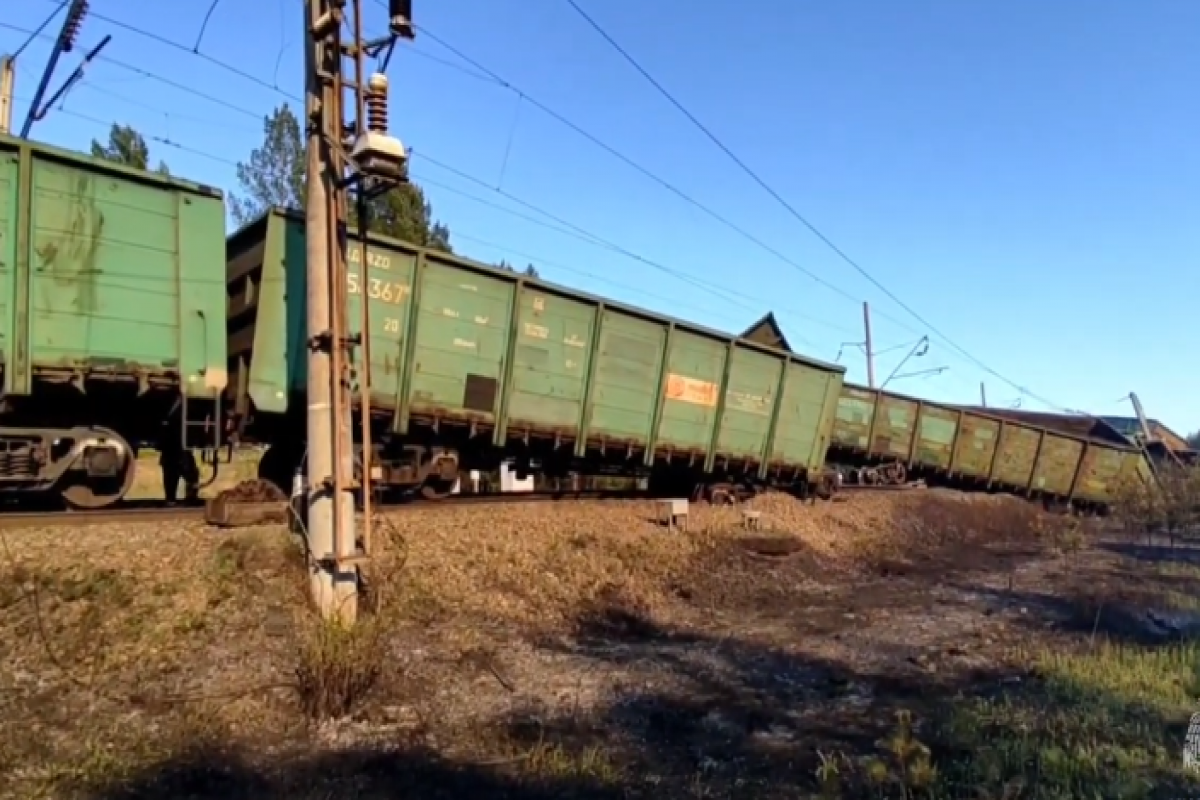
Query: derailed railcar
point(891, 436)
point(111, 319)
point(471, 364)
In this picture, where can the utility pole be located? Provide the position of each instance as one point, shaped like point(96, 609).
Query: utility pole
point(982, 395)
point(362, 157)
point(869, 347)
point(8, 79)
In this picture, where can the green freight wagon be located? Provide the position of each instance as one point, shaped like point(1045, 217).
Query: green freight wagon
point(469, 363)
point(112, 309)
point(894, 436)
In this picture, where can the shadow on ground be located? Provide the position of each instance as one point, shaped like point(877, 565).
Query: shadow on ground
point(704, 717)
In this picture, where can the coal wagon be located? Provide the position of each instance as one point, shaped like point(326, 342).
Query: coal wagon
point(887, 437)
point(471, 364)
point(112, 319)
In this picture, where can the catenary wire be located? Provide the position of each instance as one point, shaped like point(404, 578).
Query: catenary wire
point(646, 172)
point(803, 220)
point(458, 234)
point(582, 233)
point(564, 227)
point(37, 33)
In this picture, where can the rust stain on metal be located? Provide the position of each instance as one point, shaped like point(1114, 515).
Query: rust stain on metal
point(71, 259)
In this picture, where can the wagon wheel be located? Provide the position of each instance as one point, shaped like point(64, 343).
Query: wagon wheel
point(896, 473)
point(101, 493)
point(436, 489)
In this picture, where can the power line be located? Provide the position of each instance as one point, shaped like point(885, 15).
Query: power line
point(568, 228)
point(563, 226)
point(558, 224)
point(425, 180)
point(789, 207)
point(646, 172)
point(195, 50)
point(36, 33)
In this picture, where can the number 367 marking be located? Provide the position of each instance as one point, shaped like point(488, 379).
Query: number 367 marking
point(387, 291)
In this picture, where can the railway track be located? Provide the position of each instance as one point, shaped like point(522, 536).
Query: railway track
point(154, 512)
point(149, 511)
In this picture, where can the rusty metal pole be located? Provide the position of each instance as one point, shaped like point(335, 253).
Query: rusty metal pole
point(364, 361)
point(334, 590)
point(869, 345)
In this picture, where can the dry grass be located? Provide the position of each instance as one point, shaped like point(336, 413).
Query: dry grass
point(909, 644)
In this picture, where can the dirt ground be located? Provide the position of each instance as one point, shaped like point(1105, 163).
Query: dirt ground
point(919, 644)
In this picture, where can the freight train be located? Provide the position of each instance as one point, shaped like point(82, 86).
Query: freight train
point(126, 316)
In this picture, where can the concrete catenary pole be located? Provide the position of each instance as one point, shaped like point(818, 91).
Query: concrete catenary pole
point(330, 533)
point(8, 79)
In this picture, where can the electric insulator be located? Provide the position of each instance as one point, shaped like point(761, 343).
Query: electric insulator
point(73, 23)
point(377, 103)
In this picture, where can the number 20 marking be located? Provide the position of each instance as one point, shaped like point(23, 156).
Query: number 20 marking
point(391, 325)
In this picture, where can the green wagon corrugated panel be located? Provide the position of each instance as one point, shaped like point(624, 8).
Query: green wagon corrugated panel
point(625, 379)
point(936, 434)
point(1056, 464)
point(894, 426)
point(461, 337)
point(695, 367)
point(976, 446)
point(280, 362)
point(1018, 451)
point(852, 423)
point(550, 367)
point(806, 413)
point(109, 269)
point(750, 394)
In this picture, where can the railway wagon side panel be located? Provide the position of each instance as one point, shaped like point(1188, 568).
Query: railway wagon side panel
point(386, 285)
point(462, 331)
point(806, 412)
point(123, 273)
point(1018, 451)
point(9, 179)
point(976, 447)
point(550, 365)
point(895, 426)
point(625, 379)
point(695, 367)
point(279, 328)
point(852, 422)
point(936, 434)
point(1056, 464)
point(1100, 473)
point(750, 392)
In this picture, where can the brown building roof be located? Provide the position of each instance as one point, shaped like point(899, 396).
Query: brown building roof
point(767, 331)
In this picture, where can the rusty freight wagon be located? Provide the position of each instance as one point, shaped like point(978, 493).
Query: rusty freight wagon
point(889, 437)
point(112, 313)
point(471, 363)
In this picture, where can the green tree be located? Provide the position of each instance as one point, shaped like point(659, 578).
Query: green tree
point(529, 271)
point(126, 146)
point(275, 175)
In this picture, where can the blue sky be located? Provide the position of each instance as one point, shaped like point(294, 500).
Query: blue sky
point(1022, 174)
